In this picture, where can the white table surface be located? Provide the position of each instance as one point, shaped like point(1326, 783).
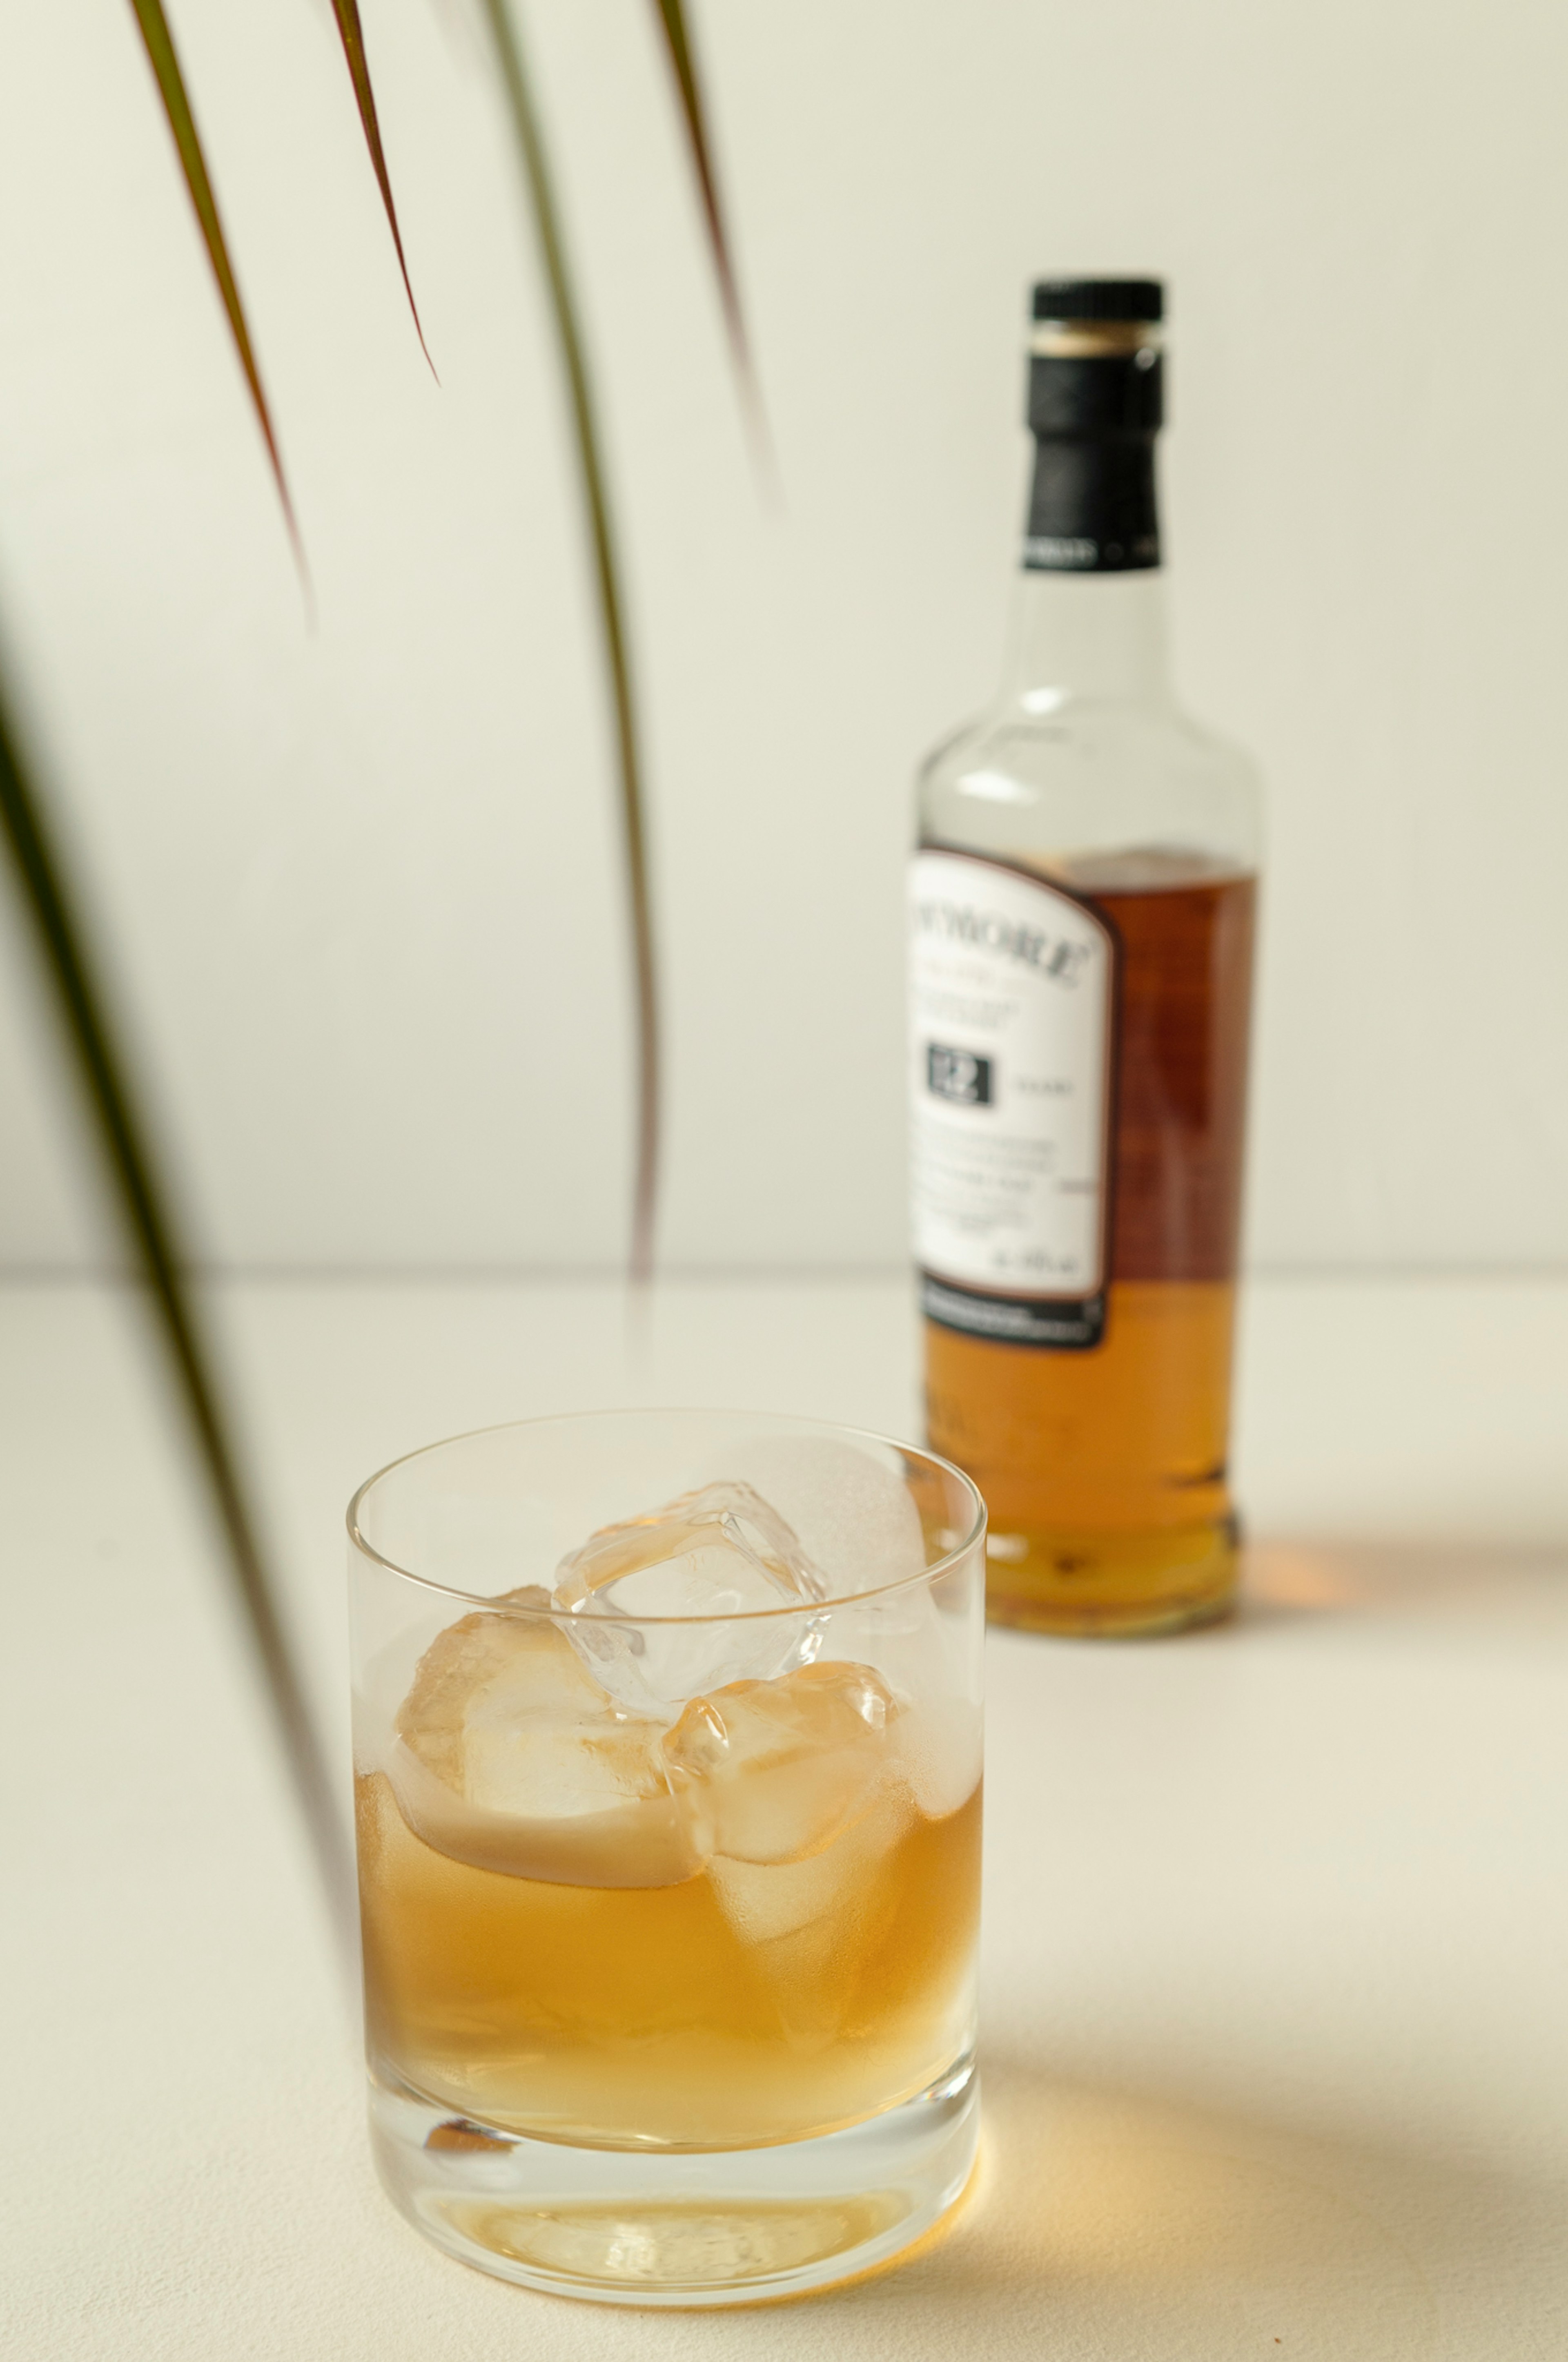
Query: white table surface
point(1276, 1994)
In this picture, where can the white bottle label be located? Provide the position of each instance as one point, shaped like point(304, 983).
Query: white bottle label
point(1012, 1004)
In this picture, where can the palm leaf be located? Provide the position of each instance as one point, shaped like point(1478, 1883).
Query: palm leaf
point(677, 39)
point(159, 45)
point(353, 38)
point(124, 1138)
point(537, 177)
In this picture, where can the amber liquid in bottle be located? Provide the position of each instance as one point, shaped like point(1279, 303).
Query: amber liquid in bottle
point(1104, 1470)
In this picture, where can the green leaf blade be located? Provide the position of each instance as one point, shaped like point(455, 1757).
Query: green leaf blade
point(152, 1231)
point(159, 42)
point(350, 33)
point(675, 33)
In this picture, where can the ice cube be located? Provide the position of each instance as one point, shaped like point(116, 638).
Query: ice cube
point(510, 1756)
point(937, 1749)
point(793, 1788)
point(847, 1503)
point(468, 1659)
point(810, 1926)
point(918, 1652)
point(774, 1770)
point(854, 1513)
point(645, 1597)
point(765, 1901)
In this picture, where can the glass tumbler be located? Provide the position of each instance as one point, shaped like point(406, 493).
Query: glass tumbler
point(668, 1752)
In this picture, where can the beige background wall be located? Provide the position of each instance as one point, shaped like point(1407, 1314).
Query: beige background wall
point(361, 884)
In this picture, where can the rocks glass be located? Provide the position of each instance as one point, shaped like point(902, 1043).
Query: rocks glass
point(667, 1740)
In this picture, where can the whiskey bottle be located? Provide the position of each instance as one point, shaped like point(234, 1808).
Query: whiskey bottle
point(1082, 919)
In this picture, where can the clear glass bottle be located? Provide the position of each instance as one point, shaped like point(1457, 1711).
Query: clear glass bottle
point(1083, 910)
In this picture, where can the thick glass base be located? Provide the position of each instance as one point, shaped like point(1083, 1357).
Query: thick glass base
point(731, 2226)
point(1098, 1582)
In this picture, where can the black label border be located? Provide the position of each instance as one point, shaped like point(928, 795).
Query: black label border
point(1061, 1324)
point(1054, 1317)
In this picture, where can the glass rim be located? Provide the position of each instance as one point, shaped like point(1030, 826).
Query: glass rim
point(499, 1604)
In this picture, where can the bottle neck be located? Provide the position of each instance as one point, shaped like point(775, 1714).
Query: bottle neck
point(1088, 617)
point(1101, 637)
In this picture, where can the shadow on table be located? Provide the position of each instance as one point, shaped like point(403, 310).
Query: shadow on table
point(1512, 1586)
point(1126, 2228)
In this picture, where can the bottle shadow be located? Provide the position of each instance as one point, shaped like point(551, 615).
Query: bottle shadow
point(1514, 1588)
point(1130, 2227)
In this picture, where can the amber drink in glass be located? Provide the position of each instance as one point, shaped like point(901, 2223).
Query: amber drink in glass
point(668, 1756)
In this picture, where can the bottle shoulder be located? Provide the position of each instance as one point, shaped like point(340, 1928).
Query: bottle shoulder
point(1092, 775)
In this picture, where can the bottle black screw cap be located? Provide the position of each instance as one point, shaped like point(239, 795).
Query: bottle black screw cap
point(1098, 299)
